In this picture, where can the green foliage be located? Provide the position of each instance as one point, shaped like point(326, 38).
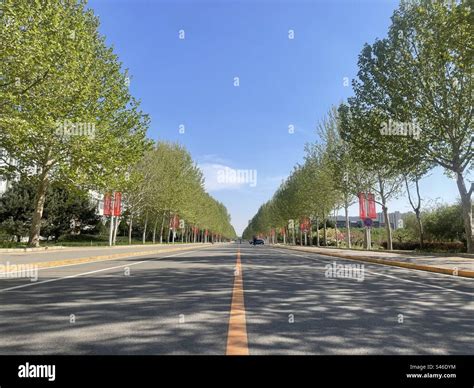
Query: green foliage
point(441, 223)
point(58, 70)
point(68, 212)
point(420, 74)
point(16, 205)
point(167, 183)
point(65, 211)
point(444, 223)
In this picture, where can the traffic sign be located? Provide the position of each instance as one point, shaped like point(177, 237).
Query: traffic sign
point(368, 222)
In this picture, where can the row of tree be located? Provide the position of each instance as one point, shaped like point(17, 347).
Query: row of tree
point(163, 199)
point(67, 119)
point(411, 112)
point(164, 191)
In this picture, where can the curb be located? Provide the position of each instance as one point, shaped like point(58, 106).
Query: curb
point(72, 247)
point(82, 260)
point(40, 249)
point(420, 267)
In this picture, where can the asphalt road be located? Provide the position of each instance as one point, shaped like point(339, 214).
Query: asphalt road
point(180, 303)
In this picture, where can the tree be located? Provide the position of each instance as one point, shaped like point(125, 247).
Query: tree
point(167, 186)
point(68, 211)
point(65, 210)
point(16, 208)
point(66, 112)
point(421, 75)
point(444, 222)
point(414, 177)
point(323, 191)
point(346, 172)
point(307, 193)
point(380, 173)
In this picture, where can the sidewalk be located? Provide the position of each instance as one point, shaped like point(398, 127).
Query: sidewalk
point(78, 255)
point(450, 265)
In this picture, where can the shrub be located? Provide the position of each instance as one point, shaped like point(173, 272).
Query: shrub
point(82, 238)
point(435, 246)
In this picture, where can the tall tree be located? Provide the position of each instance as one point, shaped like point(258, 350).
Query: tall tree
point(421, 75)
point(66, 112)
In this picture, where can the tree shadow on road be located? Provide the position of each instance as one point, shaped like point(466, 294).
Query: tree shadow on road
point(294, 309)
point(181, 307)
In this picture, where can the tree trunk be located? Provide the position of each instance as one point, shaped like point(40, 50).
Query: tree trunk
point(348, 224)
point(144, 229)
point(466, 205)
point(130, 226)
point(416, 207)
point(154, 230)
point(310, 232)
point(162, 228)
point(325, 227)
point(420, 227)
point(317, 232)
point(40, 198)
point(388, 228)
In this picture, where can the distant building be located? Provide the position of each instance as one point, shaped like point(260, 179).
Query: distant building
point(98, 200)
point(4, 183)
point(354, 222)
point(396, 221)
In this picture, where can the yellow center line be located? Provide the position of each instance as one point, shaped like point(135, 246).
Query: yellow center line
point(237, 342)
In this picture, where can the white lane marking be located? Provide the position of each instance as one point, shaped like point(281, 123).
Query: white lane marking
point(424, 284)
point(89, 272)
point(390, 276)
point(4, 259)
point(86, 262)
point(451, 277)
point(69, 265)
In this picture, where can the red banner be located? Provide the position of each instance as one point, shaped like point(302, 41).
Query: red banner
point(372, 211)
point(174, 222)
point(107, 205)
point(362, 209)
point(304, 226)
point(118, 204)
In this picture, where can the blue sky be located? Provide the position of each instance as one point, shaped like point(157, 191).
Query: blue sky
point(282, 82)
